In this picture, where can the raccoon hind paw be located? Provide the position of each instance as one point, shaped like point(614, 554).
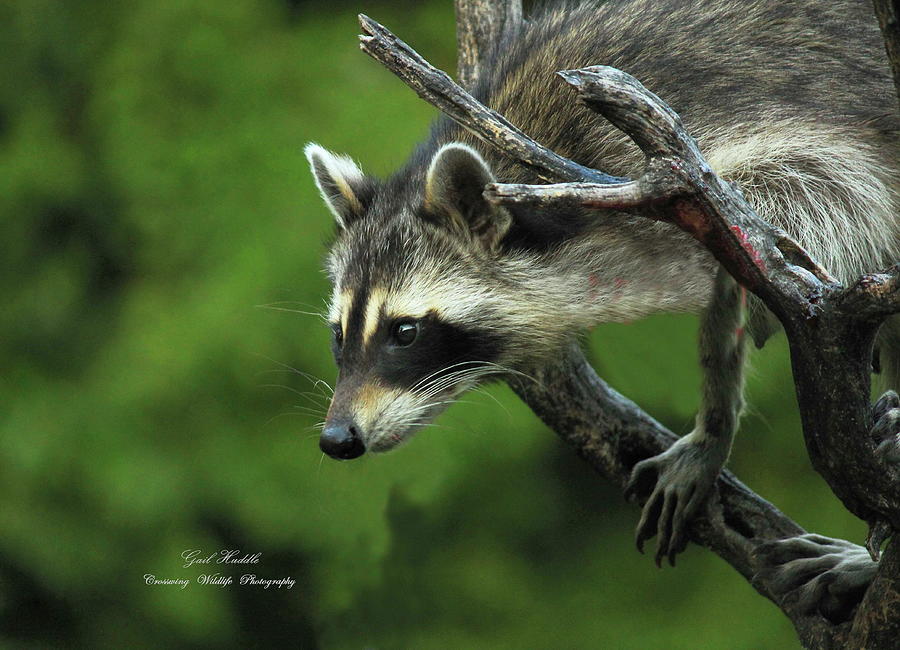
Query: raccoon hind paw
point(819, 574)
point(886, 430)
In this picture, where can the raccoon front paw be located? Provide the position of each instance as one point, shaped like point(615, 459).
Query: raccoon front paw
point(682, 478)
point(822, 575)
point(886, 429)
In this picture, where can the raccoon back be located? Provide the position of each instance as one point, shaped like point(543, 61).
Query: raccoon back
point(792, 100)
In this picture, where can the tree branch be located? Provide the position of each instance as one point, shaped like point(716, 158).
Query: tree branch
point(877, 624)
point(681, 188)
point(612, 433)
point(654, 186)
point(439, 90)
point(888, 13)
point(874, 295)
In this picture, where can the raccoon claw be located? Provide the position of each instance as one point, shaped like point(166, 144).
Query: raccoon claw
point(886, 429)
point(822, 575)
point(879, 531)
point(681, 479)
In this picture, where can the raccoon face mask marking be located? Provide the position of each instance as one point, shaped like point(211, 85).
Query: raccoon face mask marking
point(397, 372)
point(414, 325)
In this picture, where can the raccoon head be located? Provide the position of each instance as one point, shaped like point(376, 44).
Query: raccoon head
point(416, 310)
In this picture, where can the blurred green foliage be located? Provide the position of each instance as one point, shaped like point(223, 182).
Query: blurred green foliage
point(155, 200)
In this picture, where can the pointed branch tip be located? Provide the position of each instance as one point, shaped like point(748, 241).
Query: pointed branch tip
point(570, 76)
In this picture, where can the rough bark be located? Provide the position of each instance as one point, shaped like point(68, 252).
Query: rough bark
point(877, 621)
point(480, 24)
point(831, 328)
point(888, 12)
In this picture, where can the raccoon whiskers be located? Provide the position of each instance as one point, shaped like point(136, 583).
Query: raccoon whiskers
point(312, 398)
point(430, 405)
point(444, 383)
point(496, 401)
point(469, 371)
point(452, 379)
point(317, 383)
point(305, 410)
point(418, 415)
point(393, 423)
point(315, 428)
point(412, 420)
point(443, 370)
point(519, 373)
point(317, 398)
point(321, 386)
point(317, 425)
point(279, 306)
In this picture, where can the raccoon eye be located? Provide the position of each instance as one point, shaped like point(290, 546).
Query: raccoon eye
point(405, 332)
point(337, 342)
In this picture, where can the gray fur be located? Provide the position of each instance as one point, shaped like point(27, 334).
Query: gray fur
point(791, 100)
point(686, 472)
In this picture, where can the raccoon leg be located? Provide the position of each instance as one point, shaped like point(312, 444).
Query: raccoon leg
point(683, 475)
point(824, 575)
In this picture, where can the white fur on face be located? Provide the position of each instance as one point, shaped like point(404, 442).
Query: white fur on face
point(388, 417)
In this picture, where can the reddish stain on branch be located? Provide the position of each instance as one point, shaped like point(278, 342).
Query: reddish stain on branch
point(747, 246)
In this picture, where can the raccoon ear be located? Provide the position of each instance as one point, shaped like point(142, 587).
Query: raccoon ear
point(345, 189)
point(453, 191)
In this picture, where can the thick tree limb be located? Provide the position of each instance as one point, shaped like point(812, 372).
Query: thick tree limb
point(888, 13)
point(874, 295)
point(877, 623)
point(831, 328)
point(480, 25)
point(612, 433)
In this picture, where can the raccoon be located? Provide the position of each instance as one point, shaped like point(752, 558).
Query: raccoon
point(436, 290)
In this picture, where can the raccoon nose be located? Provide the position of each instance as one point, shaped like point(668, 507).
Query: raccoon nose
point(341, 439)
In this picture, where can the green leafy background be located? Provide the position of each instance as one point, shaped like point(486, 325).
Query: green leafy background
point(155, 200)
